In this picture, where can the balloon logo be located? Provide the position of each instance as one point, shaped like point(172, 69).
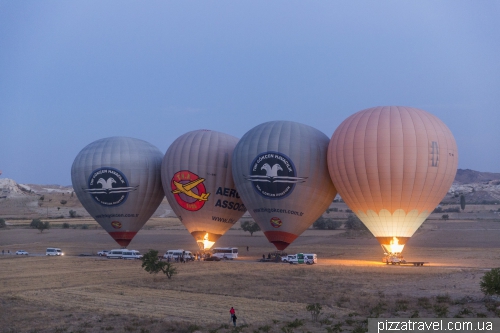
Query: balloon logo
point(265, 179)
point(109, 187)
point(276, 222)
point(199, 186)
point(188, 190)
point(116, 224)
point(281, 172)
point(392, 165)
point(118, 181)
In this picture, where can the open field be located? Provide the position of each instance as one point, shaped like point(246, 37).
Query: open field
point(91, 294)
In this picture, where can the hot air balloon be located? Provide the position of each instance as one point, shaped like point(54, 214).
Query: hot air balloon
point(198, 183)
point(392, 165)
point(118, 181)
point(281, 173)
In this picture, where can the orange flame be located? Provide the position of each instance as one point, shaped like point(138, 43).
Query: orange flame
point(205, 244)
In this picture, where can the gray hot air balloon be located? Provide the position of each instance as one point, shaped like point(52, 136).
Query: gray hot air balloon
point(198, 183)
point(118, 181)
point(281, 173)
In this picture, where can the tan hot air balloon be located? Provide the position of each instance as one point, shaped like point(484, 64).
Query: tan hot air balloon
point(198, 183)
point(392, 165)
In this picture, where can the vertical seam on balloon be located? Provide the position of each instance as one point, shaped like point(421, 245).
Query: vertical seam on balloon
point(421, 115)
point(438, 187)
point(406, 220)
point(351, 196)
point(402, 225)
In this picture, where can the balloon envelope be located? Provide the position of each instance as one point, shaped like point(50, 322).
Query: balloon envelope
point(392, 165)
point(198, 183)
point(281, 172)
point(118, 181)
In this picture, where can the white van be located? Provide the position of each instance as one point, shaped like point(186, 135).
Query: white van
point(177, 255)
point(53, 251)
point(115, 254)
point(303, 258)
point(131, 254)
point(311, 258)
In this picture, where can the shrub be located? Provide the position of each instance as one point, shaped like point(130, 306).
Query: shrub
point(85, 226)
point(441, 310)
point(2, 223)
point(315, 310)
point(72, 213)
point(354, 223)
point(445, 217)
point(326, 224)
point(438, 209)
point(65, 225)
point(34, 223)
point(41, 198)
point(490, 282)
point(63, 202)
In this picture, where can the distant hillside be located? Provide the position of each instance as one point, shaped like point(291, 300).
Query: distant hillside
point(468, 176)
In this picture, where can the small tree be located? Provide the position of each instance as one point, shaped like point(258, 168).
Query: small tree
point(2, 223)
point(153, 265)
point(43, 225)
point(315, 310)
point(445, 217)
point(250, 226)
point(462, 202)
point(490, 282)
point(41, 198)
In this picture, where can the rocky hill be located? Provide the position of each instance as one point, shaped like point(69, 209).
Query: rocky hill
point(32, 199)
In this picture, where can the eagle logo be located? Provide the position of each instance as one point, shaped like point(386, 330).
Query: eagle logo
point(109, 186)
point(273, 175)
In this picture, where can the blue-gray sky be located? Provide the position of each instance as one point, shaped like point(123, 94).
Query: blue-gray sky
point(72, 72)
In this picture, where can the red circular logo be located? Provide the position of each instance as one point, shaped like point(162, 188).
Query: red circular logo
point(116, 224)
point(189, 190)
point(276, 222)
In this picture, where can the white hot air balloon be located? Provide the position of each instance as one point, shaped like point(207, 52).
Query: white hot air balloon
point(281, 173)
point(392, 165)
point(118, 181)
point(198, 183)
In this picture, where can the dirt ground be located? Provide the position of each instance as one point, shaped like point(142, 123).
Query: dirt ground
point(78, 293)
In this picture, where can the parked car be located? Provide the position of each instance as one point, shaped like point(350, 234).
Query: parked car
point(288, 257)
point(54, 251)
point(102, 253)
point(212, 258)
point(131, 254)
point(21, 252)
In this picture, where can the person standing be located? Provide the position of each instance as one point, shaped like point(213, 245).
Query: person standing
point(234, 320)
point(233, 313)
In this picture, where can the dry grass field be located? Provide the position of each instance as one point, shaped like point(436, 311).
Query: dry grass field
point(91, 294)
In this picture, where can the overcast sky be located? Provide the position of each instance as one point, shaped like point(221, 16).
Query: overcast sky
point(72, 72)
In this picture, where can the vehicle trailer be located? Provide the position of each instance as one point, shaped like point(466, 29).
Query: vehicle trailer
point(397, 259)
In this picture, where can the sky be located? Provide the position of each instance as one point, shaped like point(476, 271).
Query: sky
point(72, 72)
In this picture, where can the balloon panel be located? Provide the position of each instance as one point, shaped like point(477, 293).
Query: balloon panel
point(198, 183)
point(281, 173)
point(392, 166)
point(118, 181)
